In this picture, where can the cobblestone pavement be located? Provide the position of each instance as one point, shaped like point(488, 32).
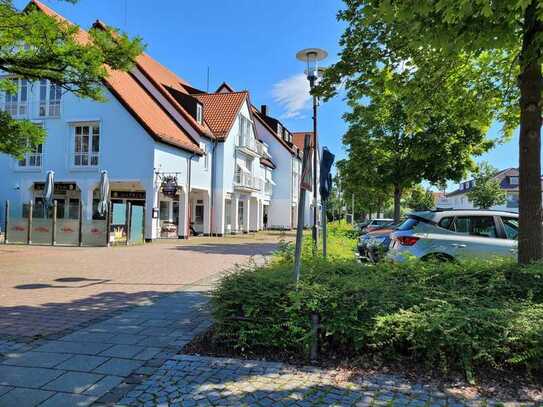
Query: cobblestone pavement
point(186, 380)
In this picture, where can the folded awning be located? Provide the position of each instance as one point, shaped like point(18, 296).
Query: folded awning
point(242, 167)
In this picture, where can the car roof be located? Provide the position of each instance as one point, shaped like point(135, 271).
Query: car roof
point(385, 219)
point(437, 215)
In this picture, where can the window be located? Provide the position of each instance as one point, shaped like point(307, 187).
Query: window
point(32, 159)
point(16, 104)
point(165, 210)
point(199, 213)
point(50, 95)
point(445, 223)
point(205, 157)
point(279, 130)
point(199, 113)
point(512, 200)
point(227, 211)
point(73, 210)
point(86, 145)
point(482, 226)
point(511, 228)
point(513, 180)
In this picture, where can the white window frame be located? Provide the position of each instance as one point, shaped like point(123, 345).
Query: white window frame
point(36, 156)
point(199, 113)
point(511, 178)
point(49, 106)
point(16, 104)
point(89, 154)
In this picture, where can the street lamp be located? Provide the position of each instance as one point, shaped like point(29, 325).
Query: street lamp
point(312, 56)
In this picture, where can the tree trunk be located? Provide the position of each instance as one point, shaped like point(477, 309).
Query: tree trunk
point(530, 238)
point(397, 202)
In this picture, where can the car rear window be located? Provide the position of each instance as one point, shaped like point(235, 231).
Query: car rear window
point(445, 223)
point(511, 227)
point(408, 224)
point(482, 226)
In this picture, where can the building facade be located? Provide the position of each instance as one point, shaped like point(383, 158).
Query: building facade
point(233, 166)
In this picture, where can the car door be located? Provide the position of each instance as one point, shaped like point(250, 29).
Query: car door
point(482, 237)
point(510, 231)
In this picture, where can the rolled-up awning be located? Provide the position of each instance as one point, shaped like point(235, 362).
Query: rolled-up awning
point(242, 167)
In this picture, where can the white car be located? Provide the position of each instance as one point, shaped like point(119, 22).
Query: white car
point(455, 234)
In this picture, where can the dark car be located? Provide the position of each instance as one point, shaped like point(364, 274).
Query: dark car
point(373, 245)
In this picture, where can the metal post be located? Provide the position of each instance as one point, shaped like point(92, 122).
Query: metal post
point(301, 210)
point(128, 222)
point(352, 208)
point(144, 211)
point(54, 224)
point(324, 229)
point(29, 231)
point(80, 231)
point(6, 221)
point(315, 151)
point(108, 223)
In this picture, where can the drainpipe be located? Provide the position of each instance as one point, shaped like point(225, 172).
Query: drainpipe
point(212, 192)
point(187, 225)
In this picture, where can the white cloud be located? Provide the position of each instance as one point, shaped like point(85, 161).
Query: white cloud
point(293, 95)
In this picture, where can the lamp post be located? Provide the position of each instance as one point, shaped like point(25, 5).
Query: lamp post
point(311, 56)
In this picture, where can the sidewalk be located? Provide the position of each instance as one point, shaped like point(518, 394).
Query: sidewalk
point(103, 361)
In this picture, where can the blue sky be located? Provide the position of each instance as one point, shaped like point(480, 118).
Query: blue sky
point(251, 44)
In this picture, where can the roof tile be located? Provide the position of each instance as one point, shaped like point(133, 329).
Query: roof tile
point(221, 109)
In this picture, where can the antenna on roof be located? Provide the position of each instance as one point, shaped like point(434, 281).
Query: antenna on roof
point(207, 87)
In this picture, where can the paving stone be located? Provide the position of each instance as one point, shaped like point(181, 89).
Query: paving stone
point(32, 377)
point(77, 348)
point(24, 397)
point(147, 353)
point(118, 367)
point(5, 389)
point(35, 359)
point(82, 363)
point(69, 400)
point(88, 337)
point(103, 386)
point(73, 382)
point(126, 339)
point(123, 351)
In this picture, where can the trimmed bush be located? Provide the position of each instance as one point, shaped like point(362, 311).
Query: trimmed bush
point(456, 316)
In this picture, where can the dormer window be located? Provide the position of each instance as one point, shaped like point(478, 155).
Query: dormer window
point(199, 113)
point(513, 180)
point(279, 129)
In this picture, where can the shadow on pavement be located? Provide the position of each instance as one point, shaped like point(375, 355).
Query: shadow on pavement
point(235, 249)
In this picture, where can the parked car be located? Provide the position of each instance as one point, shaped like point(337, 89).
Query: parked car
point(455, 234)
point(374, 224)
point(373, 245)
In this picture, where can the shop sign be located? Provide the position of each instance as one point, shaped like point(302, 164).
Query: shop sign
point(169, 186)
point(128, 195)
point(60, 187)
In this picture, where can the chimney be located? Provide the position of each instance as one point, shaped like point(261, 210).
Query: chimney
point(264, 110)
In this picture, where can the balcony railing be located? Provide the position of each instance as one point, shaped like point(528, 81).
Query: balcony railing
point(245, 180)
point(247, 142)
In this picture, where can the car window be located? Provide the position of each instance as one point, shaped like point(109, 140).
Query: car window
point(511, 228)
point(408, 224)
point(445, 223)
point(461, 224)
point(483, 226)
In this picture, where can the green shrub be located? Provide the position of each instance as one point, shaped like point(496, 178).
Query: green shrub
point(459, 316)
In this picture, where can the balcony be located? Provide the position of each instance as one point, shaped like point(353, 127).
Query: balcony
point(248, 145)
point(246, 181)
point(268, 188)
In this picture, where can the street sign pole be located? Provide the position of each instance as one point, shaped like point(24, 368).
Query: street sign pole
point(301, 209)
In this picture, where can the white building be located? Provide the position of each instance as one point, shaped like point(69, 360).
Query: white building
point(509, 182)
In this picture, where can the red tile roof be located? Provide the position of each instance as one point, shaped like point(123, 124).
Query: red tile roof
point(298, 139)
point(221, 110)
point(146, 109)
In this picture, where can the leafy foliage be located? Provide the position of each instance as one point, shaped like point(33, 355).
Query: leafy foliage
point(420, 199)
point(456, 316)
point(486, 192)
point(34, 46)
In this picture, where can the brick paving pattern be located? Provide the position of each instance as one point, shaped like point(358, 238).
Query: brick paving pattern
point(186, 380)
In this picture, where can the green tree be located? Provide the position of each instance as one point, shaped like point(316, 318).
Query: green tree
point(486, 192)
point(389, 148)
point(420, 199)
point(35, 45)
point(493, 46)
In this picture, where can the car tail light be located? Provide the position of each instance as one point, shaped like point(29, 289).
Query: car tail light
point(407, 240)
